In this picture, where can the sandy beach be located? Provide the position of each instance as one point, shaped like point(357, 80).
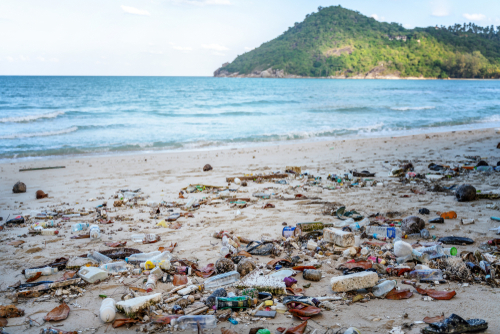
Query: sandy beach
point(86, 182)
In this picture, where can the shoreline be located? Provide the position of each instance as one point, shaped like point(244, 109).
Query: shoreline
point(246, 145)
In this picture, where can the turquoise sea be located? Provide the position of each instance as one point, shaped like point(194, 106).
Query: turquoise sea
point(54, 116)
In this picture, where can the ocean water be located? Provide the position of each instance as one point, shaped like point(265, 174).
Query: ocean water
point(54, 116)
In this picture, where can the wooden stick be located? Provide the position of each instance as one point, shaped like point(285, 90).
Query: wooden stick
point(40, 168)
point(254, 177)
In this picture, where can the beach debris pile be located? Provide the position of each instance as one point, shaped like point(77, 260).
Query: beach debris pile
point(366, 256)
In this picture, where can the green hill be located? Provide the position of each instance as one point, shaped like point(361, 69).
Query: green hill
point(337, 42)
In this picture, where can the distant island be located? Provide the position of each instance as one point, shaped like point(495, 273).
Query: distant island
point(340, 43)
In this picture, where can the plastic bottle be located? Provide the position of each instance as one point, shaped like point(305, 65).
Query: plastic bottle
point(141, 257)
point(311, 275)
point(192, 321)
point(45, 224)
point(212, 298)
point(385, 232)
point(17, 220)
point(402, 249)
point(115, 267)
point(180, 270)
point(49, 232)
point(29, 273)
point(344, 223)
point(427, 275)
point(190, 202)
point(222, 303)
point(79, 227)
point(96, 256)
point(95, 232)
point(422, 257)
point(107, 311)
point(484, 168)
point(187, 290)
point(224, 250)
point(357, 225)
point(424, 233)
point(450, 251)
point(434, 251)
point(150, 238)
point(151, 283)
point(383, 288)
point(221, 280)
point(138, 238)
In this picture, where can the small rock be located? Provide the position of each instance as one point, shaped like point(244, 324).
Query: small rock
point(40, 194)
point(207, 167)
point(19, 187)
point(465, 193)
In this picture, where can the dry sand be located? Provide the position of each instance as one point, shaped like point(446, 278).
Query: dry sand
point(162, 175)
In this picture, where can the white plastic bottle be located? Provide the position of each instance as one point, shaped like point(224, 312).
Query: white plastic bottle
point(187, 290)
point(101, 258)
point(29, 273)
point(221, 280)
point(142, 257)
point(151, 283)
point(115, 267)
point(192, 321)
point(107, 311)
point(95, 232)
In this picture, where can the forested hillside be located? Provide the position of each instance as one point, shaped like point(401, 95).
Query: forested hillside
point(339, 42)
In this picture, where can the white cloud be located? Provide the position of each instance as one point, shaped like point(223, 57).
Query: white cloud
point(215, 47)
point(181, 48)
point(203, 2)
point(474, 17)
point(135, 11)
point(441, 8)
point(378, 18)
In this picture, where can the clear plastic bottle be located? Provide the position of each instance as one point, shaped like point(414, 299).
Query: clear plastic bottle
point(50, 232)
point(190, 202)
point(79, 227)
point(357, 225)
point(142, 257)
point(96, 256)
point(484, 168)
point(115, 267)
point(95, 232)
point(384, 231)
point(221, 280)
point(427, 275)
point(344, 223)
point(383, 288)
point(192, 321)
point(433, 252)
point(138, 238)
point(29, 273)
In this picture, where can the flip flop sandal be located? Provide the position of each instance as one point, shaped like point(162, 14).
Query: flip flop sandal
point(260, 248)
point(364, 173)
point(456, 324)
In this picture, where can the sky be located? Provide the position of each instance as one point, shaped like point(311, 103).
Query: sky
point(180, 37)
